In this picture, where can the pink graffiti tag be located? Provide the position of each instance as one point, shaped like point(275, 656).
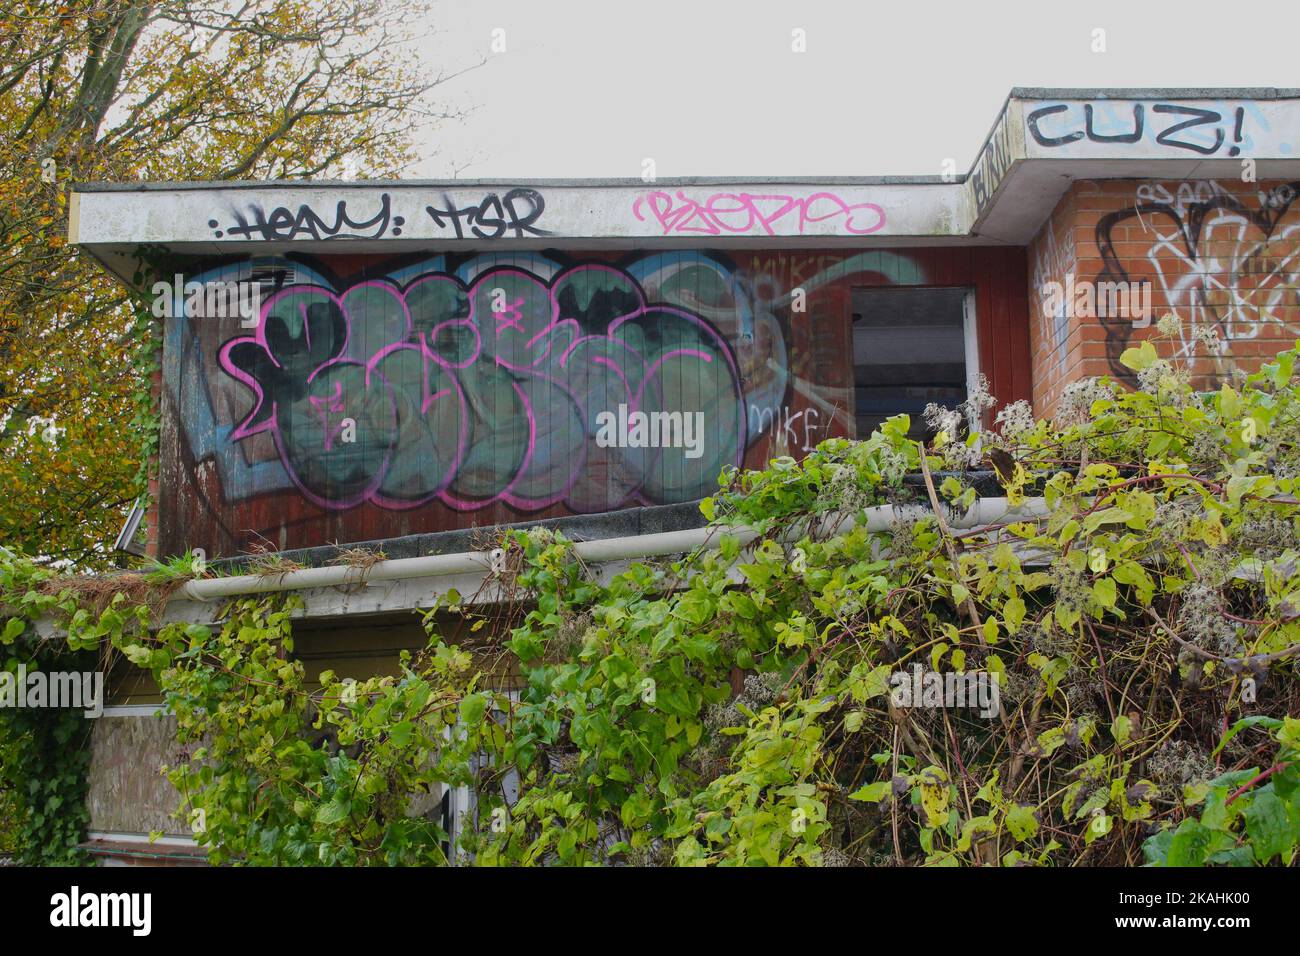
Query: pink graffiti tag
point(767, 214)
point(510, 316)
point(331, 404)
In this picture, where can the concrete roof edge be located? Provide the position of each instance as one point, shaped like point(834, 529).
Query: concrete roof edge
point(1145, 93)
point(98, 187)
point(1017, 92)
point(988, 137)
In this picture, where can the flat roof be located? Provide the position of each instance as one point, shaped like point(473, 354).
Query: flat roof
point(580, 181)
point(1041, 140)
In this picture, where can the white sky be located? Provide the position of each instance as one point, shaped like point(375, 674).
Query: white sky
point(712, 87)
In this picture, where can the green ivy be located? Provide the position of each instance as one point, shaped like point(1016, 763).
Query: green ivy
point(44, 759)
point(1250, 816)
point(733, 706)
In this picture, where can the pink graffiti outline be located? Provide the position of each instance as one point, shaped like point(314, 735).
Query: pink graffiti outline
point(716, 207)
point(423, 344)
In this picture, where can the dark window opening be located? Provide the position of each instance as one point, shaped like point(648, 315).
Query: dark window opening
point(909, 349)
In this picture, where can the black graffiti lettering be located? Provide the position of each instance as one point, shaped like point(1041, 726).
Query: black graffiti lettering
point(1165, 137)
point(535, 206)
point(441, 217)
point(283, 223)
point(977, 182)
point(993, 165)
point(1200, 118)
point(1132, 137)
point(1036, 115)
point(493, 216)
point(496, 224)
point(1187, 222)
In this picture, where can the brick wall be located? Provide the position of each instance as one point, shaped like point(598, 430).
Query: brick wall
point(155, 489)
point(1221, 255)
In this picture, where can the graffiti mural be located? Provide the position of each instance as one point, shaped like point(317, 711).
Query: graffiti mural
point(374, 397)
point(1226, 263)
point(488, 391)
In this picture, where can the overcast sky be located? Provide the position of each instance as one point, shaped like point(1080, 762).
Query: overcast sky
point(713, 87)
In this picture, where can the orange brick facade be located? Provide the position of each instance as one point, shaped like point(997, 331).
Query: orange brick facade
point(1222, 256)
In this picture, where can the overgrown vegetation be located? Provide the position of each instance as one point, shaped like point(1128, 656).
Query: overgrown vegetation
point(164, 90)
point(735, 706)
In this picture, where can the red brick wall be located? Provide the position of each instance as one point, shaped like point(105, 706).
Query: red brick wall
point(1221, 255)
point(154, 488)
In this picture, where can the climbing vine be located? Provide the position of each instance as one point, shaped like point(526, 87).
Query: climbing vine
point(44, 752)
point(145, 345)
point(1133, 623)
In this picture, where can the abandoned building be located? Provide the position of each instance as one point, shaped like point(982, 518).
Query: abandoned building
point(400, 365)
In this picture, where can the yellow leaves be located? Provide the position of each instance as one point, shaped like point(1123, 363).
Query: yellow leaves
point(933, 783)
point(1015, 486)
point(1211, 530)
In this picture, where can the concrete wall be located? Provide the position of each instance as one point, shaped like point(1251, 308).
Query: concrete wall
point(412, 212)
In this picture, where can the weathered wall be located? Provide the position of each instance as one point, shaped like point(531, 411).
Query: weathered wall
point(1222, 255)
point(415, 214)
point(476, 383)
point(126, 791)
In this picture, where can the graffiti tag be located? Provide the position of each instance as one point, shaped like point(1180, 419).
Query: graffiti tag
point(1198, 130)
point(995, 159)
point(1224, 265)
point(516, 213)
point(493, 216)
point(749, 213)
point(285, 223)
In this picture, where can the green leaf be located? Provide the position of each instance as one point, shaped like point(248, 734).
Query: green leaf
point(333, 812)
point(1103, 592)
point(1099, 826)
point(1022, 823)
point(1122, 729)
point(636, 810)
point(472, 709)
point(1139, 358)
point(1261, 720)
point(872, 792)
point(1105, 516)
point(990, 635)
point(1013, 614)
point(400, 734)
point(1268, 825)
point(137, 654)
point(1190, 844)
point(13, 627)
point(1067, 616)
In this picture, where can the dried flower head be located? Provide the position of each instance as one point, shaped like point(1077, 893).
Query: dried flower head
point(1015, 420)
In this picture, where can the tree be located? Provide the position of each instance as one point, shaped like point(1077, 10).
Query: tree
point(115, 90)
